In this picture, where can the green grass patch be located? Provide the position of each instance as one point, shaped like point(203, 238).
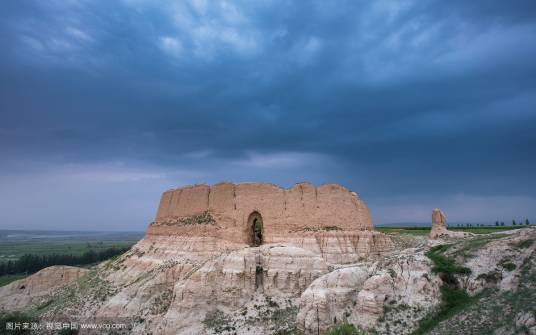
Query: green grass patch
point(31, 263)
point(405, 231)
point(445, 266)
point(507, 264)
point(13, 250)
point(485, 230)
point(6, 279)
point(439, 249)
point(426, 230)
point(525, 244)
point(345, 329)
point(453, 301)
point(453, 298)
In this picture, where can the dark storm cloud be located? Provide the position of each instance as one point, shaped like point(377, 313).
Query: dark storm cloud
point(425, 99)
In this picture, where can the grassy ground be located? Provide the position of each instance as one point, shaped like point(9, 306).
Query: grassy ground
point(4, 280)
point(13, 250)
point(453, 298)
point(14, 244)
point(404, 230)
point(426, 230)
point(495, 311)
point(346, 329)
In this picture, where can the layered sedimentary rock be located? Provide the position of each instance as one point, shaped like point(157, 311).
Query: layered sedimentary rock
point(328, 220)
point(368, 292)
point(22, 292)
point(229, 281)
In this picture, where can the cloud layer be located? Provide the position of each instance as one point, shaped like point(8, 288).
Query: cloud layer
point(412, 105)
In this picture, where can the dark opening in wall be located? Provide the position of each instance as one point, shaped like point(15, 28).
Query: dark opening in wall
point(256, 229)
point(259, 275)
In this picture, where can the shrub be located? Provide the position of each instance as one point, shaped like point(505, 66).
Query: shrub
point(217, 320)
point(507, 265)
point(490, 277)
point(203, 218)
point(525, 244)
point(453, 299)
point(345, 329)
point(444, 265)
point(330, 228)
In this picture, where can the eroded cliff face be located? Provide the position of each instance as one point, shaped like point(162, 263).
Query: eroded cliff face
point(169, 286)
point(231, 280)
point(398, 287)
point(24, 292)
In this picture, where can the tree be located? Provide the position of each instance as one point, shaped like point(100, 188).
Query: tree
point(527, 222)
point(502, 223)
point(496, 223)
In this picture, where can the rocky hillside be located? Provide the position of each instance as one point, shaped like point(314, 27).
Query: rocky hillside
point(481, 284)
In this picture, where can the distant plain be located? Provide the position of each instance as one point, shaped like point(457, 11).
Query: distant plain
point(15, 243)
point(417, 230)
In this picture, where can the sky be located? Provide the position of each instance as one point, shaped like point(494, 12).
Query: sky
point(411, 104)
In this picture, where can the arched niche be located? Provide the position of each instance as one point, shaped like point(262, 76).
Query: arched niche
point(255, 229)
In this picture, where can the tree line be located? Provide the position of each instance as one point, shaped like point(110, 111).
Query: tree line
point(497, 224)
point(31, 263)
point(520, 223)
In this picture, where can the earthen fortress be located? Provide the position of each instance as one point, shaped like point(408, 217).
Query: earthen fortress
point(329, 220)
